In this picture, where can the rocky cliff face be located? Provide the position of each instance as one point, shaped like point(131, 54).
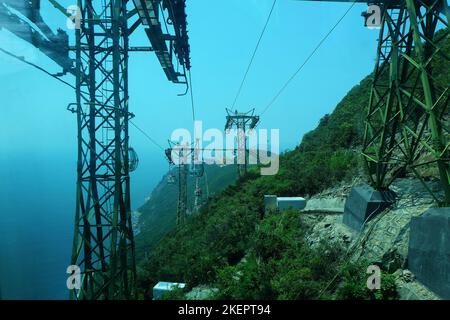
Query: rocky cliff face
point(385, 238)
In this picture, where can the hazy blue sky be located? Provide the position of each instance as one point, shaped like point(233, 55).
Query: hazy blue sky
point(223, 35)
point(38, 133)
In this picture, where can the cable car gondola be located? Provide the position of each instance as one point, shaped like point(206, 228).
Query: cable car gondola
point(133, 160)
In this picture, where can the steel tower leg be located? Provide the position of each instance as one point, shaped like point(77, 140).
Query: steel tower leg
point(197, 196)
point(182, 194)
point(407, 108)
point(241, 148)
point(425, 17)
point(103, 245)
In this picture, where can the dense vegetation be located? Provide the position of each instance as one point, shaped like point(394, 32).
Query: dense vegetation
point(210, 248)
point(158, 214)
point(281, 265)
point(232, 245)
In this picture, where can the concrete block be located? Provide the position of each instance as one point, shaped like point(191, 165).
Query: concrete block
point(364, 203)
point(270, 202)
point(326, 204)
point(429, 250)
point(285, 203)
point(162, 288)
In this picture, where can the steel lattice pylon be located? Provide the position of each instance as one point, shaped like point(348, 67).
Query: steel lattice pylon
point(103, 245)
point(405, 123)
point(242, 122)
point(179, 155)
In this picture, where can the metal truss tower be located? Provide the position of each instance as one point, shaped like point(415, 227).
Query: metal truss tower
point(103, 245)
point(194, 167)
point(181, 155)
point(407, 118)
point(242, 122)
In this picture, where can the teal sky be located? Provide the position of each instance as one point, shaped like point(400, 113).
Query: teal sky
point(223, 35)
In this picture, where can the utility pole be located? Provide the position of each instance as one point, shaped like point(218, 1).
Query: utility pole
point(242, 121)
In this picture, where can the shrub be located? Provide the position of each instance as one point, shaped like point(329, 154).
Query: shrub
point(354, 284)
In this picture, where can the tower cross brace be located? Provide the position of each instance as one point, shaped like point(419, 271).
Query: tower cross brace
point(103, 245)
point(406, 124)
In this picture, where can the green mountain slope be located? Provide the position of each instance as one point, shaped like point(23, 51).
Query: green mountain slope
point(233, 246)
point(158, 214)
point(230, 227)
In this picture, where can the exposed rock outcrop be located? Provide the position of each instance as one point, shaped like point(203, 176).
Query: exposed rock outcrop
point(384, 240)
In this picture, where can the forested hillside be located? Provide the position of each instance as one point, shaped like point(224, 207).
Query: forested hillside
point(212, 244)
point(158, 213)
point(232, 246)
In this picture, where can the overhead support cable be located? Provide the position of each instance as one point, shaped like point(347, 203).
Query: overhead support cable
point(192, 96)
point(146, 135)
point(254, 54)
point(308, 58)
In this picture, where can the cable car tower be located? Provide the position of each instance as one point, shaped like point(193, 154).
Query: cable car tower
point(242, 121)
point(407, 117)
point(406, 125)
point(178, 155)
point(103, 244)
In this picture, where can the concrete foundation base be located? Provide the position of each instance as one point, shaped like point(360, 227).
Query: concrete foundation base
point(364, 203)
point(429, 250)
